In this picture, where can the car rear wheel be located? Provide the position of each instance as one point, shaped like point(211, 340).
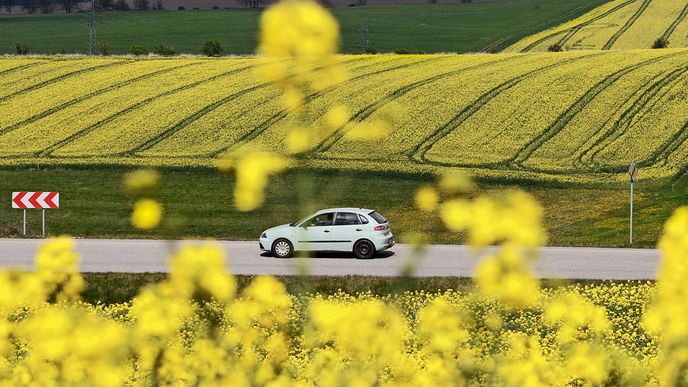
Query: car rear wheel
point(364, 249)
point(282, 248)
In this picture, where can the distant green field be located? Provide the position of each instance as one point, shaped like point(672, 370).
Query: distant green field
point(467, 27)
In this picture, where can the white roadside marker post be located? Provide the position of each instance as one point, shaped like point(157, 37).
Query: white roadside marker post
point(633, 173)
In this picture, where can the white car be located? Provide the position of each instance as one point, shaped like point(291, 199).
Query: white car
point(361, 231)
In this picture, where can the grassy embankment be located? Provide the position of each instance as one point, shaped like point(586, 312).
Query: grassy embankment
point(427, 28)
point(199, 204)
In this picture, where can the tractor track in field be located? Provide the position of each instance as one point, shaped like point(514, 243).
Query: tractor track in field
point(167, 133)
point(664, 151)
point(418, 152)
point(539, 27)
point(265, 125)
point(679, 19)
point(643, 103)
point(22, 67)
point(46, 152)
point(529, 148)
point(629, 23)
point(85, 97)
point(573, 30)
point(364, 113)
point(48, 82)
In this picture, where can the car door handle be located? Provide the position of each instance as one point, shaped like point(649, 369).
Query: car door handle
point(327, 231)
point(359, 229)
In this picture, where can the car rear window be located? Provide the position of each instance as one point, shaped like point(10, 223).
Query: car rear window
point(378, 218)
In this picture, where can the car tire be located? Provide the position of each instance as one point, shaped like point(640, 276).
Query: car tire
point(364, 249)
point(282, 248)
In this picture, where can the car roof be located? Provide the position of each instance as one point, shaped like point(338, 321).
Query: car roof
point(364, 211)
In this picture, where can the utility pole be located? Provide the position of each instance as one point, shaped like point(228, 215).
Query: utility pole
point(365, 37)
point(92, 28)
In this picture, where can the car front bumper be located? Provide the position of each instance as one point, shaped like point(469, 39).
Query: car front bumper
point(265, 244)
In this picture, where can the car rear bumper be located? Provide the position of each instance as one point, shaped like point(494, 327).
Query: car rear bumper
point(384, 242)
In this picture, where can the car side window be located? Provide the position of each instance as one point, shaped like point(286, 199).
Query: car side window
point(364, 220)
point(320, 220)
point(346, 218)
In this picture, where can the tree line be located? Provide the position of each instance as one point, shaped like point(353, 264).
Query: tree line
point(69, 6)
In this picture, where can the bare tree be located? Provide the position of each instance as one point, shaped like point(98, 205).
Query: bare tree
point(30, 6)
point(104, 4)
point(251, 3)
point(121, 5)
point(158, 5)
point(141, 4)
point(8, 5)
point(69, 5)
point(46, 6)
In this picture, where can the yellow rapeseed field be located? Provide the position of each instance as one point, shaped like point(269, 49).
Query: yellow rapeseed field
point(564, 116)
point(616, 25)
point(195, 329)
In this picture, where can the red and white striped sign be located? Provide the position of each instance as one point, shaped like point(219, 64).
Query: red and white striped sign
point(35, 200)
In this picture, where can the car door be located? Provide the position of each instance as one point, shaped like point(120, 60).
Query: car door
point(346, 231)
point(314, 233)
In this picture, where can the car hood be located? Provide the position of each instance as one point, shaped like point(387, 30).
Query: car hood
point(283, 226)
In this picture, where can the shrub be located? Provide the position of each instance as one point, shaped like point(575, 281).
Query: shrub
point(216, 7)
point(180, 8)
point(141, 4)
point(138, 50)
point(401, 51)
point(212, 48)
point(22, 49)
point(660, 43)
point(163, 50)
point(555, 48)
point(121, 5)
point(103, 48)
point(371, 51)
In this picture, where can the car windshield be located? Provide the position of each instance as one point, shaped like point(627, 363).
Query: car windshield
point(378, 218)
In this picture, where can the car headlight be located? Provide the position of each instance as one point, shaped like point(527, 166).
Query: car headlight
point(264, 235)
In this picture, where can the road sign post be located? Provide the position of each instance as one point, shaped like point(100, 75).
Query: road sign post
point(633, 173)
point(40, 200)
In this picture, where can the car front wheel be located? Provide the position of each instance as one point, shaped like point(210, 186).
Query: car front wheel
point(282, 248)
point(364, 250)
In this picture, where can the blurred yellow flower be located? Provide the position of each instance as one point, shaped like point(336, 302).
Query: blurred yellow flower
point(336, 117)
point(456, 182)
point(252, 172)
point(298, 28)
point(456, 214)
point(141, 182)
point(147, 214)
point(298, 140)
point(427, 198)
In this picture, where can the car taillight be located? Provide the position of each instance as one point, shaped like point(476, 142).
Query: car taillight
point(379, 228)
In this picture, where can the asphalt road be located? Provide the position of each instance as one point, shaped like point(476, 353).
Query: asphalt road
point(138, 256)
